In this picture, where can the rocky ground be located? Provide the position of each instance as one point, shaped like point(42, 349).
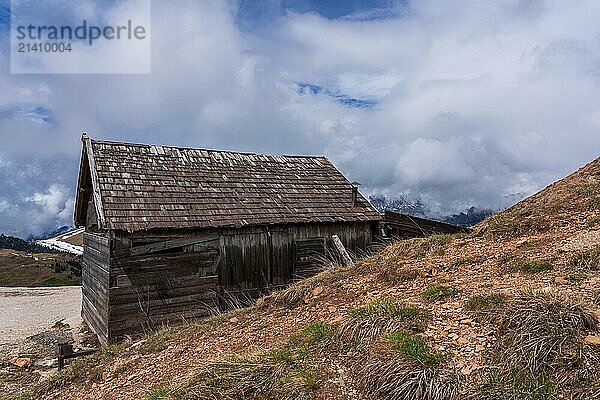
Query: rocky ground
point(510, 311)
point(32, 324)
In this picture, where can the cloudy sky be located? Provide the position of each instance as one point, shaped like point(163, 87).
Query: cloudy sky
point(460, 103)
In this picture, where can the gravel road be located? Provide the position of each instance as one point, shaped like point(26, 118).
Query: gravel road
point(27, 311)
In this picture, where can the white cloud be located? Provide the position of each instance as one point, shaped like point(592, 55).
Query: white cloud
point(475, 100)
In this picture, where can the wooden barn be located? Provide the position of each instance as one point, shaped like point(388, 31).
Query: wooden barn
point(171, 232)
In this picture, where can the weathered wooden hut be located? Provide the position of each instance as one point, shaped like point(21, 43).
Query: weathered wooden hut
point(169, 232)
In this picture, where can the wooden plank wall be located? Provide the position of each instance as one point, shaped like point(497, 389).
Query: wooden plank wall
point(148, 291)
point(158, 283)
point(95, 277)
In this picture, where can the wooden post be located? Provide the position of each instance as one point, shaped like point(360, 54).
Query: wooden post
point(344, 256)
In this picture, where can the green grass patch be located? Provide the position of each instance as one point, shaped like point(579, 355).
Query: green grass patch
point(158, 393)
point(414, 347)
point(483, 302)
point(592, 222)
point(316, 332)
point(534, 267)
point(155, 343)
point(386, 308)
point(111, 351)
point(439, 292)
point(576, 278)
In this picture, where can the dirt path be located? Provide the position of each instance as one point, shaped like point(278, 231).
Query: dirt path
point(27, 311)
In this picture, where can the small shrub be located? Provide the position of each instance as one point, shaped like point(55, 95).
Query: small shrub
point(588, 191)
point(439, 292)
point(535, 267)
point(577, 278)
point(414, 346)
point(504, 259)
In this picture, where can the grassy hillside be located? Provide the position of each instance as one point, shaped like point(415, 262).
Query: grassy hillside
point(508, 312)
point(18, 268)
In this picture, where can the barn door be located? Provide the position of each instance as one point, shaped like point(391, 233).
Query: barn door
point(309, 256)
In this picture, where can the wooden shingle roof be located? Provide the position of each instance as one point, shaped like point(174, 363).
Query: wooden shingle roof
point(139, 187)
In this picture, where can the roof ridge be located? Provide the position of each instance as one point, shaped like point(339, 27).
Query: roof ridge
point(249, 153)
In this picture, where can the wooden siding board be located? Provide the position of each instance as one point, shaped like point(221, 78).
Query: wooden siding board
point(95, 279)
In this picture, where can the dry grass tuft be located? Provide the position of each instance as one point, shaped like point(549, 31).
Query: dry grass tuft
point(396, 274)
point(486, 307)
point(380, 316)
point(435, 244)
point(540, 351)
point(155, 343)
point(514, 222)
point(394, 375)
point(294, 294)
point(588, 260)
point(83, 368)
point(274, 375)
point(282, 373)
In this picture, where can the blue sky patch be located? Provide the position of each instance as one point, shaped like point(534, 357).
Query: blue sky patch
point(258, 14)
point(307, 88)
point(32, 113)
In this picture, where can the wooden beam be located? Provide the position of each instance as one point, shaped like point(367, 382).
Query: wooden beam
point(170, 244)
point(345, 257)
point(95, 184)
